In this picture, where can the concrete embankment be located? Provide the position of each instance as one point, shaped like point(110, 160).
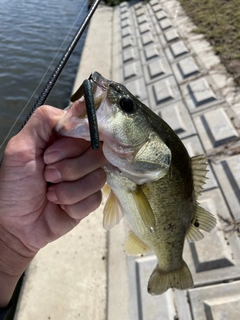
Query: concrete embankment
point(150, 48)
point(68, 278)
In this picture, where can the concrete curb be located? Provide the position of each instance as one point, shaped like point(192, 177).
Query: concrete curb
point(68, 278)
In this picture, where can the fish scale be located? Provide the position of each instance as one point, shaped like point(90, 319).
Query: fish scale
point(154, 183)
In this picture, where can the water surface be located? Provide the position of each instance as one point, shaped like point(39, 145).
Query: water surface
point(30, 36)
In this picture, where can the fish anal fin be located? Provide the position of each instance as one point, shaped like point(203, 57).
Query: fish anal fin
point(203, 220)
point(112, 212)
point(135, 246)
point(161, 280)
point(194, 234)
point(206, 221)
point(199, 168)
point(144, 209)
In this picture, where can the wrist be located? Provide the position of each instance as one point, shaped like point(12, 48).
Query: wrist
point(14, 259)
point(15, 256)
point(7, 287)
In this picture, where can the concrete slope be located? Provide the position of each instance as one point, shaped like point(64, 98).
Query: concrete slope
point(150, 48)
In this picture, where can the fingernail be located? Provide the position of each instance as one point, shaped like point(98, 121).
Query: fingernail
point(52, 196)
point(52, 157)
point(52, 175)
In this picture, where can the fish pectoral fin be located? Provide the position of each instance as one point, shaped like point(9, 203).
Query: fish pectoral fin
point(112, 212)
point(134, 246)
point(144, 209)
point(199, 167)
point(154, 155)
point(202, 220)
point(161, 280)
point(106, 189)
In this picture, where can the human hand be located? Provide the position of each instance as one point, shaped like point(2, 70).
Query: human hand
point(32, 214)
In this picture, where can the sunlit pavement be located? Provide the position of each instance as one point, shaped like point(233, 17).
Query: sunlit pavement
point(152, 50)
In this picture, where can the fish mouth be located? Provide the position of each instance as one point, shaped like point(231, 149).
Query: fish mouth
point(100, 81)
point(75, 121)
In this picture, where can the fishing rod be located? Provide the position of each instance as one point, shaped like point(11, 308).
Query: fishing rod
point(56, 73)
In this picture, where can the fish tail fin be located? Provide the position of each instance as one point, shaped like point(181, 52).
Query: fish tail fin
point(161, 280)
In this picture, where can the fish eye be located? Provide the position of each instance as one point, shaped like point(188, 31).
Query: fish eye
point(127, 105)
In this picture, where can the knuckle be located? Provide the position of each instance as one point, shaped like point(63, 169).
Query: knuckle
point(83, 208)
point(95, 200)
point(98, 178)
point(85, 189)
point(92, 202)
point(61, 193)
point(66, 169)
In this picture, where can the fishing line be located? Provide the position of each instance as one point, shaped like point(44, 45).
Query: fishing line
point(98, 84)
point(101, 66)
point(41, 81)
point(56, 73)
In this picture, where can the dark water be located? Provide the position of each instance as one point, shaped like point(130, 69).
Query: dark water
point(31, 33)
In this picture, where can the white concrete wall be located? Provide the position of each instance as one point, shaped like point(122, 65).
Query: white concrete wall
point(68, 278)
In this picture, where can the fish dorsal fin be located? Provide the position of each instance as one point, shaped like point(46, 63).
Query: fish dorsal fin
point(202, 220)
point(112, 212)
point(144, 209)
point(199, 168)
point(134, 246)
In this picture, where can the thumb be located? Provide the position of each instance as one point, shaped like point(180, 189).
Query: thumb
point(41, 124)
point(36, 135)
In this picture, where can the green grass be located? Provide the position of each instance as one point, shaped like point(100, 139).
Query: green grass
point(113, 3)
point(219, 21)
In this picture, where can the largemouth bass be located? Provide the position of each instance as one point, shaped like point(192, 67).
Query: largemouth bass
point(153, 181)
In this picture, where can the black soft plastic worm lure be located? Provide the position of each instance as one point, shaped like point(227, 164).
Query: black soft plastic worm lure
point(86, 90)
